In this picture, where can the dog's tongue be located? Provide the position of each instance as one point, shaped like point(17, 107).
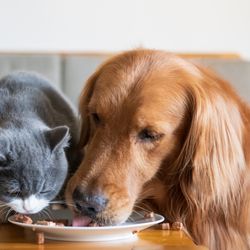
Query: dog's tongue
point(81, 221)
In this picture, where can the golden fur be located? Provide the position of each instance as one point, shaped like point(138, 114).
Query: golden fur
point(191, 164)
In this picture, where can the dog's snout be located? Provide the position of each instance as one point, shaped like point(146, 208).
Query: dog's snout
point(89, 204)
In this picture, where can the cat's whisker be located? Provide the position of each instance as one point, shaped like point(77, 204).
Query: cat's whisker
point(3, 210)
point(3, 205)
point(72, 203)
point(138, 213)
point(130, 219)
point(7, 214)
point(57, 202)
point(42, 215)
point(142, 208)
point(17, 195)
point(63, 202)
point(47, 213)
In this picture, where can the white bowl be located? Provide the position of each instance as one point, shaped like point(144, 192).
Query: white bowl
point(69, 233)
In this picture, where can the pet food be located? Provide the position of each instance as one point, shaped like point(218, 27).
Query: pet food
point(60, 224)
point(27, 220)
point(177, 226)
point(165, 226)
point(57, 223)
point(45, 223)
point(23, 218)
point(93, 224)
point(149, 215)
point(40, 238)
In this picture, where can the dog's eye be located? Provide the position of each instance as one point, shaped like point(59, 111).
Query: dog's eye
point(149, 136)
point(96, 118)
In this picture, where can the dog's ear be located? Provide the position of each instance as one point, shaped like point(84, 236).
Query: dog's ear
point(83, 108)
point(212, 158)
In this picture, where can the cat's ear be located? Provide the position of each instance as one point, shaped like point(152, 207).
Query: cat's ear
point(3, 161)
point(57, 137)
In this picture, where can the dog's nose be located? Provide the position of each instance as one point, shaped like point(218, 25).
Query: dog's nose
point(87, 204)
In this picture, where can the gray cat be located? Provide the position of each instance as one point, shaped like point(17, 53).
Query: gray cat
point(37, 126)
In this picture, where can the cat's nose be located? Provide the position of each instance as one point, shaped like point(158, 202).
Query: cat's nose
point(89, 204)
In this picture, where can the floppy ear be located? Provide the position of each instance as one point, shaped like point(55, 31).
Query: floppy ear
point(212, 158)
point(83, 105)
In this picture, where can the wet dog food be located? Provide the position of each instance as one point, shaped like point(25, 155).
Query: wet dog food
point(177, 226)
point(165, 226)
point(40, 238)
point(149, 215)
point(23, 219)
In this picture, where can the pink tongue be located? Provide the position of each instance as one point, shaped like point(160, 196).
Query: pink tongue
point(81, 221)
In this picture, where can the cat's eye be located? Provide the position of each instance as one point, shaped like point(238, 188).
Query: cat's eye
point(13, 193)
point(45, 192)
point(96, 118)
point(147, 135)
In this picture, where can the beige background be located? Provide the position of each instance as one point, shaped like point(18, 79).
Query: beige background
point(113, 25)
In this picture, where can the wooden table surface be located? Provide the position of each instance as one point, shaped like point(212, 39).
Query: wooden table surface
point(14, 237)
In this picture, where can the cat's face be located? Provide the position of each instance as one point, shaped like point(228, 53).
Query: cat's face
point(33, 167)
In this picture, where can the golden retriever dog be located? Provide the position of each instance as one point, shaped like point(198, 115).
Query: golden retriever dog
point(162, 132)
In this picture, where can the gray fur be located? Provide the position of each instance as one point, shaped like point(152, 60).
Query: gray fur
point(37, 123)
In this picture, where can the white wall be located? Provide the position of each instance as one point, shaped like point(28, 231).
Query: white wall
point(112, 25)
